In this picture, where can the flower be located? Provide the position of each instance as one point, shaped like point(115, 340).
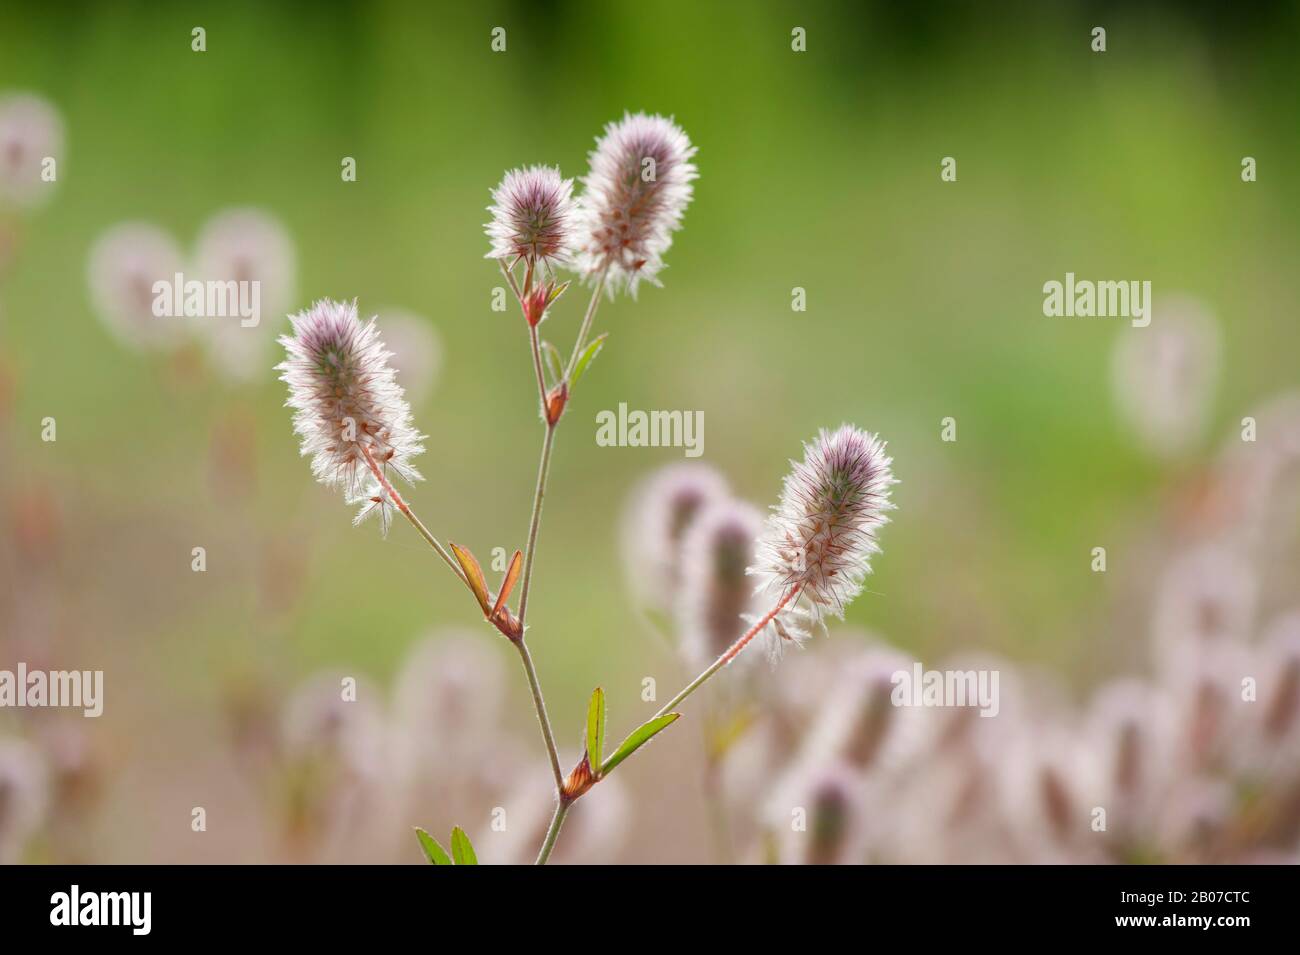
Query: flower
point(532, 215)
point(350, 411)
point(246, 246)
point(126, 262)
point(31, 133)
point(658, 514)
point(816, 548)
point(715, 592)
point(633, 199)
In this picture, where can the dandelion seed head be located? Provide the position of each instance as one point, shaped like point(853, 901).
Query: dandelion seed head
point(820, 538)
point(634, 195)
point(532, 216)
point(347, 402)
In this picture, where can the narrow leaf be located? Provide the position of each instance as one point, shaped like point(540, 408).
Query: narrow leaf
point(588, 356)
point(553, 361)
point(596, 727)
point(461, 850)
point(508, 583)
point(556, 291)
point(474, 576)
point(640, 736)
point(432, 850)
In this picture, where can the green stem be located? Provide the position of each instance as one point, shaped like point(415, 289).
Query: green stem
point(539, 703)
point(561, 810)
point(586, 325)
point(409, 514)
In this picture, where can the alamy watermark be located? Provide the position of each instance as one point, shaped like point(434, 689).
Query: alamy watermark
point(921, 687)
point(82, 689)
point(651, 429)
point(214, 298)
point(1084, 298)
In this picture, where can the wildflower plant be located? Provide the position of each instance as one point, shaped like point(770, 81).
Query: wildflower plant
point(354, 422)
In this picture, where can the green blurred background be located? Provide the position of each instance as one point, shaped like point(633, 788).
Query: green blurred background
point(817, 169)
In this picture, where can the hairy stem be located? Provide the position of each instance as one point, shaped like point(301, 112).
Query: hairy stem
point(562, 807)
point(729, 654)
point(539, 703)
point(409, 514)
point(561, 810)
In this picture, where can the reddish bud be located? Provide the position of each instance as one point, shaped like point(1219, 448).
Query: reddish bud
point(535, 303)
point(555, 402)
point(578, 781)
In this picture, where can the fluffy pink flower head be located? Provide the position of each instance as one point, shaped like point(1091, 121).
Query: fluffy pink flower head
point(532, 216)
point(633, 199)
point(30, 133)
point(349, 409)
point(715, 593)
point(819, 540)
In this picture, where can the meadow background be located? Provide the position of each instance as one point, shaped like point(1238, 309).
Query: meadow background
point(817, 169)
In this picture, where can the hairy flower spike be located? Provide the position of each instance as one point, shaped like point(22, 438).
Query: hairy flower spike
point(633, 199)
point(350, 411)
point(819, 540)
point(532, 216)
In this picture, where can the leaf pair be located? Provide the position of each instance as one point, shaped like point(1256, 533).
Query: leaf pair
point(555, 364)
point(462, 852)
point(495, 610)
point(593, 767)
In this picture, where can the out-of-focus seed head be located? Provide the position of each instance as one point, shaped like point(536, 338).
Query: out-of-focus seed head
point(30, 133)
point(633, 199)
point(1207, 597)
point(532, 217)
point(348, 404)
point(658, 513)
point(1165, 376)
point(246, 246)
point(820, 538)
point(716, 550)
point(417, 351)
point(125, 263)
point(24, 796)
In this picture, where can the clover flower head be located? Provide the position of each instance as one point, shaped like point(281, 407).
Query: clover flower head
point(349, 410)
point(818, 543)
point(634, 195)
point(532, 216)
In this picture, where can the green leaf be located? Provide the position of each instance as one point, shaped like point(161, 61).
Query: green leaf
point(553, 361)
point(461, 850)
point(640, 736)
point(596, 727)
point(588, 356)
point(432, 850)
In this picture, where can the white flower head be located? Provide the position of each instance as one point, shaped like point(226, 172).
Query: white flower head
point(126, 263)
point(349, 410)
point(817, 546)
point(532, 216)
point(31, 135)
point(633, 199)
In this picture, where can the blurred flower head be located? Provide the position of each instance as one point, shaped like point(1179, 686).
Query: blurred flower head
point(717, 548)
point(246, 245)
point(658, 514)
point(23, 796)
point(125, 263)
point(633, 199)
point(1165, 376)
point(532, 217)
point(31, 132)
point(417, 352)
point(349, 410)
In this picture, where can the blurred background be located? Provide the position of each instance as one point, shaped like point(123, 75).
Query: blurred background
point(819, 170)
